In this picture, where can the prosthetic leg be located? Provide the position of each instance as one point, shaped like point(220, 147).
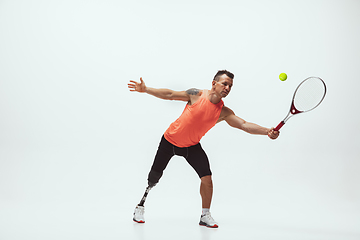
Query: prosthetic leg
point(153, 179)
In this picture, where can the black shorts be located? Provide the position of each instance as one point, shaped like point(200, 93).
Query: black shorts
point(194, 155)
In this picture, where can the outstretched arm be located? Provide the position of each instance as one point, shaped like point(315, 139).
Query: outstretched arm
point(229, 116)
point(162, 93)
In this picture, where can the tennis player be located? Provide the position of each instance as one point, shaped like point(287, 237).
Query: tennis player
point(203, 110)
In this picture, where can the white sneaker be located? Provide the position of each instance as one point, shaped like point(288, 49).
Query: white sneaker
point(139, 214)
point(207, 221)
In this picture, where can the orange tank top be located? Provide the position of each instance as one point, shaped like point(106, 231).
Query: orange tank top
point(195, 121)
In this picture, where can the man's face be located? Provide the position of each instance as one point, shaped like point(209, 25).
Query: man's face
point(223, 86)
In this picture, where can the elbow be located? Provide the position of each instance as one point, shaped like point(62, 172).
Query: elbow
point(244, 127)
point(170, 96)
point(166, 94)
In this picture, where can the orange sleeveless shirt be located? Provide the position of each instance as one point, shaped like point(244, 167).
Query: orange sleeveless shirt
point(195, 121)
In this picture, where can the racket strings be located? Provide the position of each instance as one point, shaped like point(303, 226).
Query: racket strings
point(309, 94)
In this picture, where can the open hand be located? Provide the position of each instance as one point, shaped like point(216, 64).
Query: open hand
point(273, 134)
point(137, 86)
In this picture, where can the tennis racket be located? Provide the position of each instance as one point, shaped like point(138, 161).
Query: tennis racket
point(307, 96)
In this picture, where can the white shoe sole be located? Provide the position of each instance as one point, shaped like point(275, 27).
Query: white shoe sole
point(138, 221)
point(201, 223)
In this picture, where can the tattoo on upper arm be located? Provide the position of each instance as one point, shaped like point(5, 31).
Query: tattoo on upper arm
point(193, 91)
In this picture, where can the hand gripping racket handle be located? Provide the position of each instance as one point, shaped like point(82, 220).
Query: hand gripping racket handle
point(279, 126)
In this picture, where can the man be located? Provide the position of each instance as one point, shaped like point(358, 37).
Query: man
point(203, 110)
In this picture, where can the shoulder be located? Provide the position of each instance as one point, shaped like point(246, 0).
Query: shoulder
point(194, 95)
point(225, 112)
point(194, 92)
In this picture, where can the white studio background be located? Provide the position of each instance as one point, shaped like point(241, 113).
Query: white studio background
point(76, 145)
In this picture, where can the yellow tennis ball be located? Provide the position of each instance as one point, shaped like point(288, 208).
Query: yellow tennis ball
point(283, 76)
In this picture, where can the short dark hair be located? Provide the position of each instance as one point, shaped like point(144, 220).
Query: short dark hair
point(222, 72)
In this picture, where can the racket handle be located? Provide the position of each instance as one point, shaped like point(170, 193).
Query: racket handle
point(279, 126)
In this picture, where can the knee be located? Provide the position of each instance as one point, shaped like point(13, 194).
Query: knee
point(207, 180)
point(154, 177)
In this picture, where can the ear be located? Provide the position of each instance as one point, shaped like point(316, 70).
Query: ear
point(213, 84)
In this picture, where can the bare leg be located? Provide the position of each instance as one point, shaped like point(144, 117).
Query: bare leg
point(206, 191)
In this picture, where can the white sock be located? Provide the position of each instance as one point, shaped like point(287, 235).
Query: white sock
point(205, 210)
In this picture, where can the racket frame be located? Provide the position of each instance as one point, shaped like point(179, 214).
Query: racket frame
point(293, 111)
